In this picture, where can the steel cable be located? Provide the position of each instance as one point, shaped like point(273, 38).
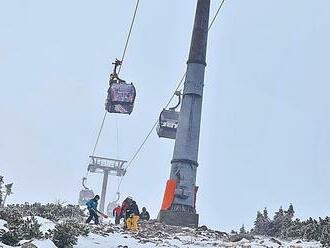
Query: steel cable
point(122, 59)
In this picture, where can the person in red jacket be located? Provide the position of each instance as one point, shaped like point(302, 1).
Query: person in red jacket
point(117, 213)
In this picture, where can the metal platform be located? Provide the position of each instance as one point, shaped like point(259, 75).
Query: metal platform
point(114, 167)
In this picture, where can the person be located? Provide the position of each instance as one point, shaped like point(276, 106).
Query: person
point(92, 208)
point(125, 206)
point(133, 217)
point(117, 213)
point(144, 215)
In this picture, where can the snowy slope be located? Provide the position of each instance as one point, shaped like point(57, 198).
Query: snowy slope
point(154, 234)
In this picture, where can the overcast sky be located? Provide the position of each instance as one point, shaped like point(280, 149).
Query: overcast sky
point(265, 124)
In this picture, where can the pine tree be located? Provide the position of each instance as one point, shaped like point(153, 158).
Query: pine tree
point(1, 185)
point(262, 223)
point(290, 212)
point(277, 223)
point(242, 230)
point(325, 236)
point(286, 223)
point(258, 224)
point(279, 214)
point(265, 214)
point(66, 233)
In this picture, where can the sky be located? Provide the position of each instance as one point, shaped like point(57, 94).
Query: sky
point(264, 134)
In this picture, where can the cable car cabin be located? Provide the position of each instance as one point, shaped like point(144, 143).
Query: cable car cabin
point(168, 124)
point(85, 195)
point(121, 97)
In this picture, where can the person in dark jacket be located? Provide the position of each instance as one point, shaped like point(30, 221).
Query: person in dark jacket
point(92, 208)
point(125, 207)
point(134, 209)
point(144, 215)
point(133, 214)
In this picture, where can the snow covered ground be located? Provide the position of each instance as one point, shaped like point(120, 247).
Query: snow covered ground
point(117, 240)
point(2, 225)
point(154, 234)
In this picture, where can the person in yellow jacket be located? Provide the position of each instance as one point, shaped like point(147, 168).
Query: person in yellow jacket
point(133, 217)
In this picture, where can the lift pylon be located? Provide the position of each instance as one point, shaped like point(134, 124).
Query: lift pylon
point(107, 167)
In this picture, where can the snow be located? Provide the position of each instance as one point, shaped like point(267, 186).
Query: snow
point(4, 246)
point(112, 241)
point(45, 224)
point(153, 234)
point(43, 243)
point(2, 225)
point(119, 240)
point(46, 243)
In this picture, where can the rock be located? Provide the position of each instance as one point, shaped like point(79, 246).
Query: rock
point(202, 228)
point(235, 238)
point(275, 241)
point(28, 245)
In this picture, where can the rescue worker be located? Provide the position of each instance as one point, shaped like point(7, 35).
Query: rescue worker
point(92, 208)
point(134, 216)
point(144, 215)
point(117, 214)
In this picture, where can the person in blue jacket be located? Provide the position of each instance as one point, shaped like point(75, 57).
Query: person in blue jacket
point(92, 208)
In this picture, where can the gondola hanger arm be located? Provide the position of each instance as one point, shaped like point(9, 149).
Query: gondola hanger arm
point(114, 74)
point(177, 93)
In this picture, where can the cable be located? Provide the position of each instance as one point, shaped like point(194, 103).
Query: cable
point(153, 126)
point(129, 35)
point(99, 134)
point(117, 138)
point(122, 59)
point(178, 86)
point(149, 133)
point(216, 15)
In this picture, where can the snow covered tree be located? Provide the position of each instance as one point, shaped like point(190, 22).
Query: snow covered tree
point(286, 223)
point(309, 229)
point(290, 212)
point(1, 185)
point(277, 223)
point(279, 215)
point(260, 224)
point(242, 230)
point(265, 214)
point(5, 190)
point(325, 236)
point(19, 229)
point(66, 233)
